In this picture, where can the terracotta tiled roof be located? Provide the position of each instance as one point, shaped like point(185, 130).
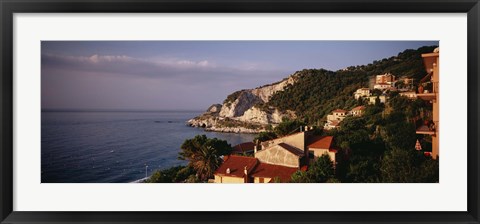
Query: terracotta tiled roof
point(272, 171)
point(237, 164)
point(320, 142)
point(359, 108)
point(244, 147)
point(339, 111)
point(334, 123)
point(292, 149)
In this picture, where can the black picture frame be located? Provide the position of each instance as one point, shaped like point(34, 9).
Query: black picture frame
point(9, 7)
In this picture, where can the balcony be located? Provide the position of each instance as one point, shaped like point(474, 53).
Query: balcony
point(426, 127)
point(425, 130)
point(427, 96)
point(428, 92)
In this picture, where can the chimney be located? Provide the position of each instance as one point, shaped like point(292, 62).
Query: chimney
point(255, 149)
point(306, 128)
point(246, 175)
point(228, 171)
point(301, 128)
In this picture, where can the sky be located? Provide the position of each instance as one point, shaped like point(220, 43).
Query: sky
point(186, 75)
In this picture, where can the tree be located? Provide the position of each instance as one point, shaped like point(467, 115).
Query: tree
point(320, 171)
point(264, 136)
point(165, 176)
point(288, 127)
point(204, 154)
point(363, 169)
point(408, 166)
point(399, 135)
point(300, 177)
point(397, 167)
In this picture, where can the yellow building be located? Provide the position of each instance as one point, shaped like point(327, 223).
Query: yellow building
point(242, 169)
point(362, 92)
point(322, 145)
point(235, 169)
point(431, 62)
point(357, 111)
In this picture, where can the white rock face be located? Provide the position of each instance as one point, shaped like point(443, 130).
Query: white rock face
point(215, 108)
point(243, 109)
point(256, 115)
point(245, 101)
point(264, 93)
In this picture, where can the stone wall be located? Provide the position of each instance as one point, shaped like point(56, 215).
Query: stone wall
point(277, 155)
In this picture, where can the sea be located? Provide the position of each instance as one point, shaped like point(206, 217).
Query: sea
point(116, 146)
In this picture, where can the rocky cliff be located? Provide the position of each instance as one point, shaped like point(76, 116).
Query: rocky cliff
point(244, 110)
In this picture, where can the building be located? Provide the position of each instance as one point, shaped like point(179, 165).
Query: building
point(235, 169)
point(362, 92)
point(387, 78)
point(331, 125)
point(245, 148)
point(334, 119)
point(276, 160)
point(282, 154)
point(382, 98)
point(382, 86)
point(357, 111)
point(320, 145)
point(337, 115)
point(242, 169)
point(431, 63)
point(267, 173)
point(384, 82)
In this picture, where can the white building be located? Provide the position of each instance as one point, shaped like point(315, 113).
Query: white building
point(382, 98)
point(362, 92)
point(337, 115)
point(382, 86)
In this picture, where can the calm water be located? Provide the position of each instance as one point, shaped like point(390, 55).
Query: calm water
point(106, 147)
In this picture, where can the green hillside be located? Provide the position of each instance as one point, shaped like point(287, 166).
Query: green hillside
point(317, 91)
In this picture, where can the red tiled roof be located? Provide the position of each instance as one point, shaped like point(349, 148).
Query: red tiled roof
point(334, 123)
point(359, 108)
point(244, 147)
point(321, 142)
point(339, 111)
point(236, 164)
point(334, 149)
point(272, 171)
point(292, 149)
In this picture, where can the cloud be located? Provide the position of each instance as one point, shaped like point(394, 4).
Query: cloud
point(185, 70)
point(121, 81)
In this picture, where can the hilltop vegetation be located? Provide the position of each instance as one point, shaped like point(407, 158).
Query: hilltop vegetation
point(318, 91)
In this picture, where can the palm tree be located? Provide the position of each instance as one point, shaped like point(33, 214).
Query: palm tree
point(204, 154)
